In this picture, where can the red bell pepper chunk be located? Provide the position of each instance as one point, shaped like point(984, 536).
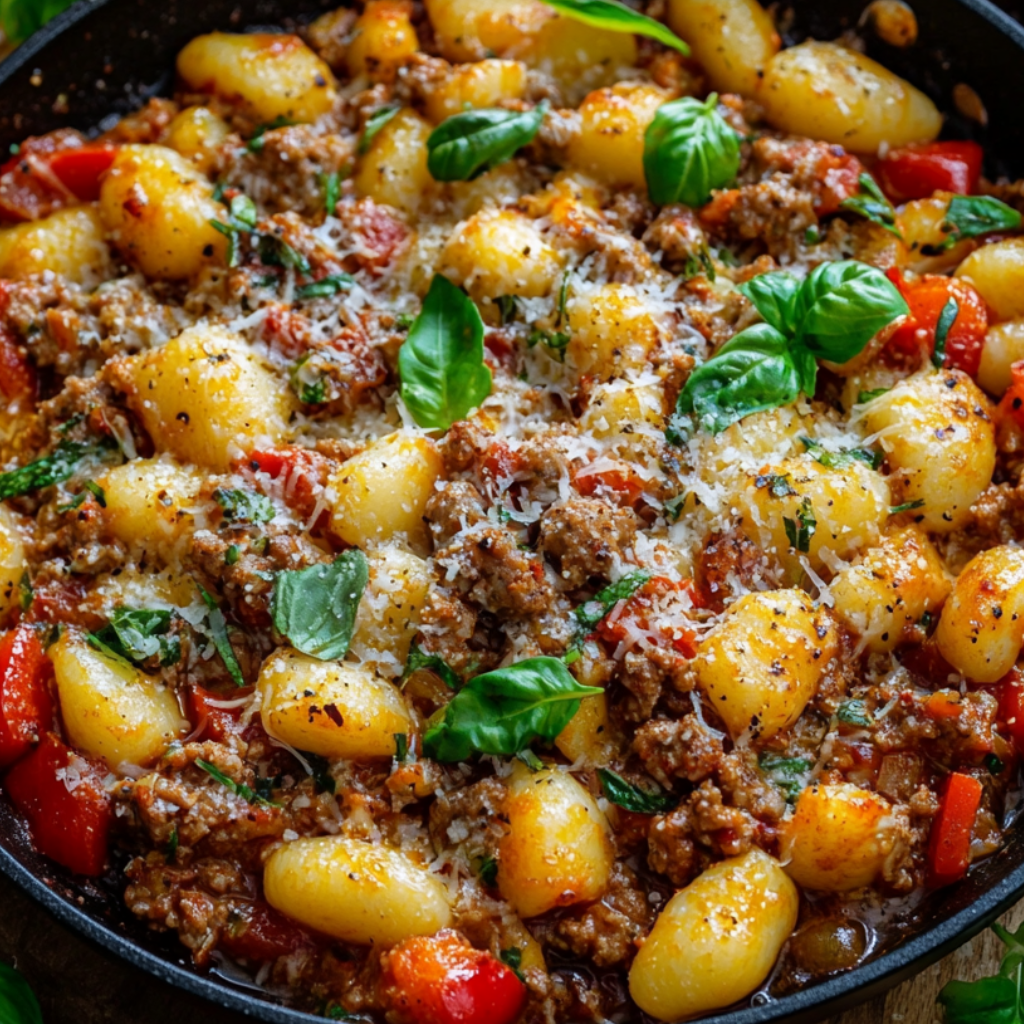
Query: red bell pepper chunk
point(218, 723)
point(441, 979)
point(916, 172)
point(927, 297)
point(82, 169)
point(26, 708)
point(69, 813)
point(300, 472)
point(263, 934)
point(1011, 708)
point(949, 853)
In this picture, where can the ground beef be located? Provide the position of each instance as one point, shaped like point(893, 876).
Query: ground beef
point(471, 818)
point(727, 566)
point(684, 749)
point(451, 509)
point(744, 785)
point(670, 846)
point(586, 539)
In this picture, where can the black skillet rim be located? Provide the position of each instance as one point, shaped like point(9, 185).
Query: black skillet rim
point(833, 995)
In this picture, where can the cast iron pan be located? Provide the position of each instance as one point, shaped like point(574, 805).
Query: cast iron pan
point(106, 57)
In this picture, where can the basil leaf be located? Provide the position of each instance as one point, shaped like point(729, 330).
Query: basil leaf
point(788, 773)
point(18, 1004)
point(841, 306)
point(591, 612)
point(441, 361)
point(332, 191)
point(315, 608)
point(616, 17)
point(863, 397)
point(255, 144)
point(840, 460)
point(419, 659)
point(907, 506)
point(247, 506)
point(238, 788)
point(774, 297)
point(504, 711)
point(799, 531)
point(488, 871)
point(61, 465)
point(321, 772)
point(276, 252)
point(467, 144)
point(137, 634)
point(753, 371)
point(689, 149)
point(992, 1000)
point(219, 635)
point(325, 287)
point(633, 798)
point(374, 123)
point(401, 745)
point(778, 485)
point(947, 318)
point(872, 204)
point(855, 712)
point(970, 216)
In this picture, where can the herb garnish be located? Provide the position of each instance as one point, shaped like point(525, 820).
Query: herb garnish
point(374, 123)
point(219, 635)
point(616, 17)
point(799, 531)
point(633, 798)
point(945, 324)
point(61, 465)
point(419, 659)
point(244, 506)
point(467, 144)
point(996, 1000)
point(18, 1004)
point(872, 204)
point(589, 614)
point(238, 788)
point(138, 634)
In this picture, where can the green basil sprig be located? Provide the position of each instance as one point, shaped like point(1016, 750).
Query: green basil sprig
point(18, 1004)
point(790, 774)
point(689, 149)
point(137, 634)
point(995, 1000)
point(832, 315)
point(504, 711)
point(467, 144)
point(441, 362)
point(970, 216)
point(374, 123)
point(61, 465)
point(419, 659)
point(872, 204)
point(315, 608)
point(244, 506)
point(633, 798)
point(248, 794)
point(947, 318)
point(219, 634)
point(616, 17)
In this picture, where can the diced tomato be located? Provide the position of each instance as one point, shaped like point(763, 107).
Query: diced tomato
point(380, 235)
point(927, 297)
point(717, 212)
point(69, 813)
point(839, 175)
point(1012, 404)
point(441, 979)
point(618, 477)
point(262, 933)
point(26, 708)
point(1011, 708)
point(499, 465)
point(639, 614)
point(81, 170)
point(916, 172)
point(218, 723)
point(949, 853)
point(300, 473)
point(944, 704)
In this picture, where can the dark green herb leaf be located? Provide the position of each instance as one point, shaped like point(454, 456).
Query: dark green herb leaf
point(419, 659)
point(374, 123)
point(71, 422)
point(276, 252)
point(755, 370)
point(255, 144)
point(633, 798)
point(313, 394)
point(841, 306)
point(467, 144)
point(907, 506)
point(506, 308)
point(812, 236)
point(441, 361)
point(616, 17)
point(238, 788)
point(488, 871)
point(231, 555)
point(788, 773)
point(66, 459)
point(513, 958)
point(75, 503)
point(855, 712)
point(338, 1012)
point(504, 711)
point(840, 460)
point(401, 746)
point(332, 191)
point(138, 634)
point(321, 772)
point(25, 591)
point(219, 635)
point(970, 216)
point(325, 287)
point(243, 212)
point(778, 485)
point(246, 506)
point(315, 608)
point(403, 321)
point(869, 396)
point(994, 765)
point(689, 149)
point(701, 263)
point(531, 760)
point(674, 507)
point(995, 1000)
point(799, 531)
point(591, 612)
point(18, 1004)
point(231, 233)
point(172, 846)
point(872, 204)
point(774, 297)
point(945, 323)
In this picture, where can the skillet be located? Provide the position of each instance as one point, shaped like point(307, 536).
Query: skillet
point(103, 58)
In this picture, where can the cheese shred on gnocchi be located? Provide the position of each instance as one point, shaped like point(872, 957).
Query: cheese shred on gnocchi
point(513, 513)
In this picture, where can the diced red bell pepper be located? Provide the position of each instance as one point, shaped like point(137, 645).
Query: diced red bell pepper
point(81, 170)
point(949, 852)
point(916, 172)
point(300, 472)
point(839, 178)
point(69, 813)
point(927, 297)
point(263, 934)
point(1011, 708)
point(441, 979)
point(638, 611)
point(943, 705)
point(218, 723)
point(1012, 403)
point(26, 707)
point(617, 477)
